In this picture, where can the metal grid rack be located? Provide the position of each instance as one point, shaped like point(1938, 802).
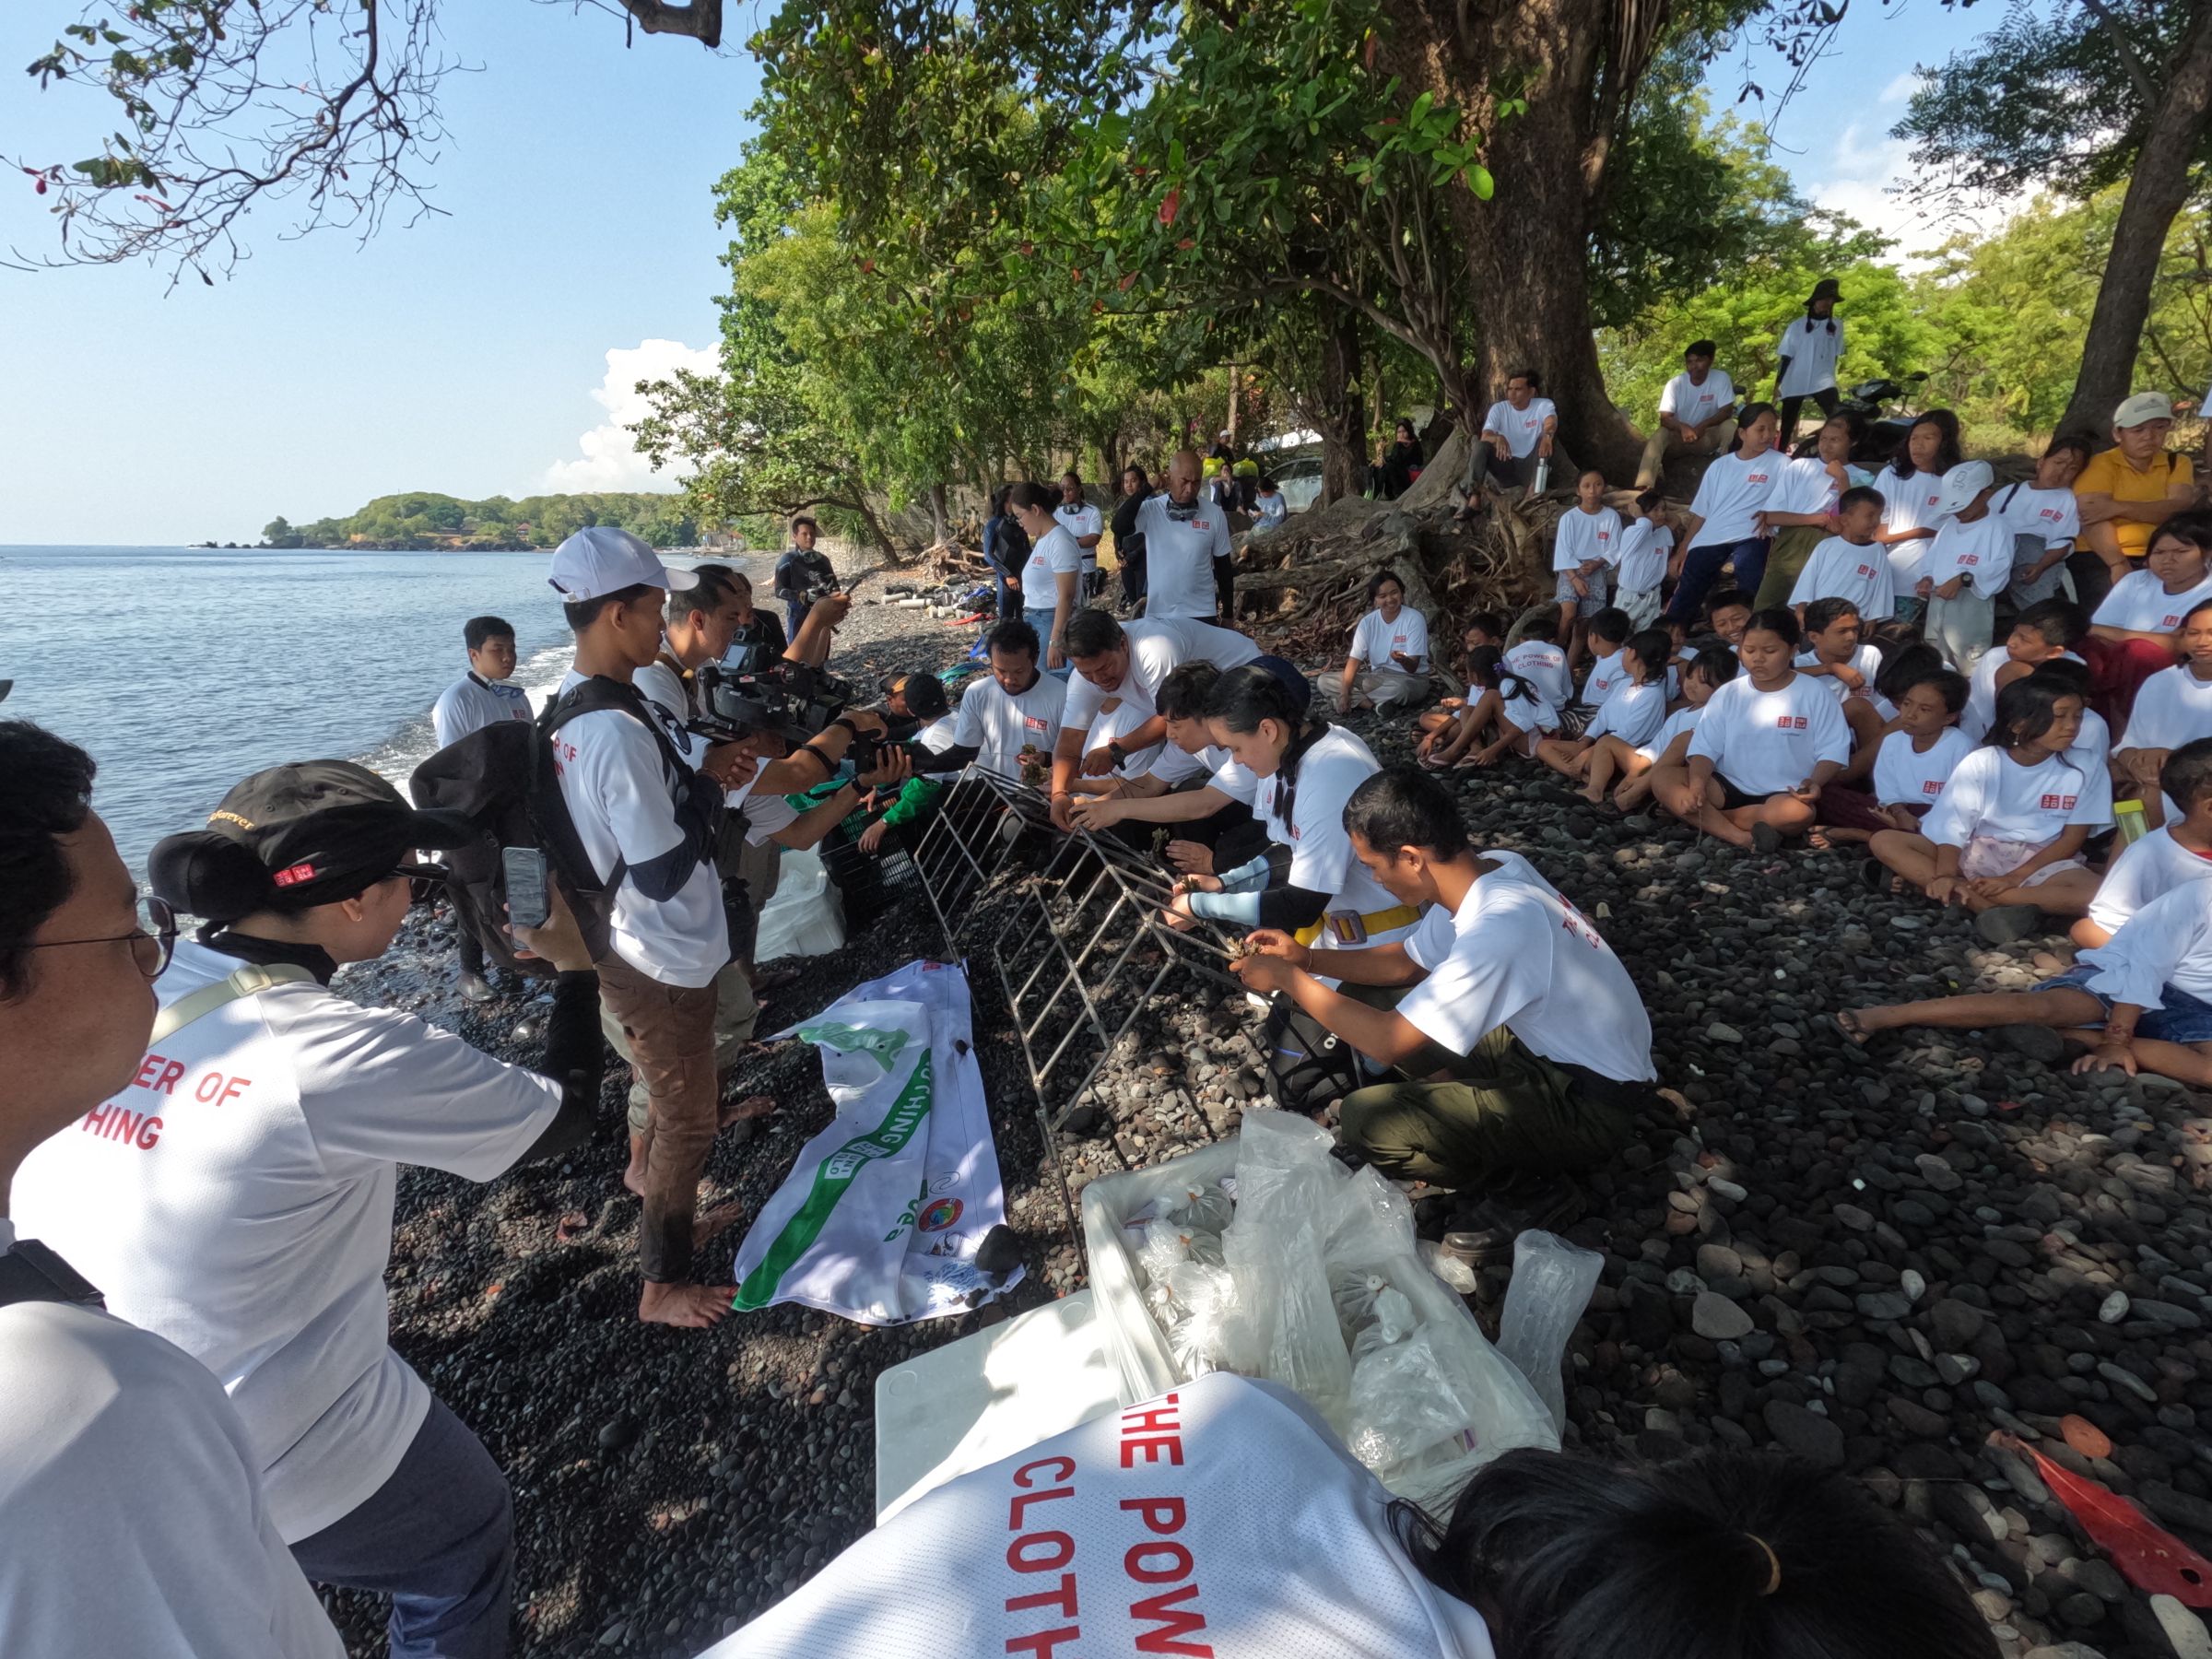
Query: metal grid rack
point(1077, 944)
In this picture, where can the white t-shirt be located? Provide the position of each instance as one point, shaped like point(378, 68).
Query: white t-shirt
point(1521, 429)
point(618, 794)
point(2168, 942)
point(1157, 647)
point(1079, 521)
point(1867, 660)
point(136, 1520)
point(1992, 795)
point(1691, 403)
point(236, 1198)
point(1115, 725)
point(1582, 537)
point(2140, 604)
point(1178, 766)
point(1258, 1537)
point(1631, 712)
point(1913, 503)
point(1517, 954)
point(1054, 555)
point(1607, 673)
point(663, 687)
point(765, 815)
point(1645, 549)
point(2146, 868)
point(2091, 749)
point(1981, 710)
point(1765, 742)
point(1731, 495)
point(1805, 486)
point(1178, 558)
point(1981, 551)
point(470, 702)
point(1374, 640)
point(1321, 848)
point(1531, 710)
point(1905, 777)
point(1546, 665)
point(2053, 514)
point(1841, 570)
point(2172, 707)
point(1813, 346)
point(999, 726)
point(1679, 722)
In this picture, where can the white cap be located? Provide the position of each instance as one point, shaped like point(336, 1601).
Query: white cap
point(1962, 484)
point(2142, 409)
point(600, 560)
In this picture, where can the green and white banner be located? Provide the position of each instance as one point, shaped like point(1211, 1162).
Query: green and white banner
point(880, 1217)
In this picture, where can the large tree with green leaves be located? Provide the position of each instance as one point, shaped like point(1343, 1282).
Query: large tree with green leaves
point(2076, 98)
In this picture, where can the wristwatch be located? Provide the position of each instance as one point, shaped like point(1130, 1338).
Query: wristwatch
point(1115, 752)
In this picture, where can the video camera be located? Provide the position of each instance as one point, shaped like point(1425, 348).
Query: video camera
point(821, 591)
point(795, 702)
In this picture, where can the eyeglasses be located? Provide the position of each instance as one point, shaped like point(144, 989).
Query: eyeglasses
point(151, 942)
point(424, 880)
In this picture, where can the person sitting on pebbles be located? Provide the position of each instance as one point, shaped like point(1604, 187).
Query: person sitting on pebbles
point(2141, 1002)
point(1388, 665)
point(1520, 1044)
point(1508, 706)
point(1767, 744)
point(2175, 855)
point(1483, 628)
point(1669, 746)
point(1192, 788)
point(2006, 836)
point(1630, 716)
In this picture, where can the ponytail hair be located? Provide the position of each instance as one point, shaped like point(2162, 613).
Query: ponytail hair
point(1654, 647)
point(1486, 667)
point(1244, 697)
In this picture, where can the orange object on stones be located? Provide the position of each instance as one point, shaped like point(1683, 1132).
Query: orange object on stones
point(2149, 1558)
point(2085, 1437)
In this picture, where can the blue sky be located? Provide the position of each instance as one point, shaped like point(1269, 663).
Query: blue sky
point(471, 353)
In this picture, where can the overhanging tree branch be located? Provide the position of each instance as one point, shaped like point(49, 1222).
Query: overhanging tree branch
point(2130, 59)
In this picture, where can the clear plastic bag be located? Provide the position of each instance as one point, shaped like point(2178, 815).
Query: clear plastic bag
point(1551, 1286)
point(1286, 1191)
point(1203, 1335)
point(1405, 1402)
point(1165, 1244)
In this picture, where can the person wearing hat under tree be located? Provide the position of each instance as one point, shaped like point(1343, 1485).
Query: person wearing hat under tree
point(237, 1197)
point(2125, 493)
point(1806, 357)
point(136, 1519)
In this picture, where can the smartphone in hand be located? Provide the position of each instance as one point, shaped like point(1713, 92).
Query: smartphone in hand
point(528, 903)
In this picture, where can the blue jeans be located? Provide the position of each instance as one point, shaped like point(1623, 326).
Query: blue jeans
point(1041, 620)
point(1701, 565)
point(439, 1537)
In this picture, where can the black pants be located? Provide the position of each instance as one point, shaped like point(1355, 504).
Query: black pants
point(1825, 398)
point(1133, 571)
point(468, 947)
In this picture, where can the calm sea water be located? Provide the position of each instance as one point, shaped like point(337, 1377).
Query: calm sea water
point(184, 669)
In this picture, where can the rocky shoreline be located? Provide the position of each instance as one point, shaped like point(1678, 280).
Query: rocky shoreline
point(1871, 1259)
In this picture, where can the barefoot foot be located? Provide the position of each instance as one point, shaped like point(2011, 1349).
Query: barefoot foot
point(692, 1307)
point(752, 1106)
point(715, 1219)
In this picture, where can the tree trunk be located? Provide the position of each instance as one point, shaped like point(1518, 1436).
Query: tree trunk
point(940, 519)
point(2155, 194)
point(1339, 411)
point(1527, 248)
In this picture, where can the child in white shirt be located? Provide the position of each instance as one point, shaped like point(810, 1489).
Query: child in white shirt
point(1613, 757)
point(2006, 834)
point(1508, 708)
point(2172, 707)
point(1969, 561)
point(1583, 546)
point(2170, 856)
point(1640, 567)
point(1850, 564)
point(1911, 764)
point(1609, 631)
point(1835, 655)
point(2045, 520)
point(1534, 650)
point(1633, 709)
point(1765, 746)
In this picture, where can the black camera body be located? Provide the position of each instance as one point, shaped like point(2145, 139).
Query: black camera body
point(788, 698)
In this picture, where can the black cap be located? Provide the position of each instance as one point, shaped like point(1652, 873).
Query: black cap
point(925, 698)
point(1826, 289)
point(317, 831)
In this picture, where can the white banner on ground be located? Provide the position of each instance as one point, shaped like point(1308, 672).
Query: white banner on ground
point(880, 1217)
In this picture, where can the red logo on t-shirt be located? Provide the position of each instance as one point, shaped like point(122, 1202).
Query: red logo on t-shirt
point(1604, 536)
point(1790, 723)
point(1755, 477)
point(1931, 786)
point(1199, 524)
point(2057, 803)
point(1867, 570)
point(1032, 723)
point(1965, 558)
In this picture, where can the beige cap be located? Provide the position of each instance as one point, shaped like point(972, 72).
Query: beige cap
point(2142, 408)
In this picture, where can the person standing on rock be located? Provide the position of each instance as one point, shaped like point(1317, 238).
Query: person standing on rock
point(1189, 570)
point(801, 573)
point(237, 1195)
point(1006, 550)
point(484, 694)
point(1696, 414)
point(137, 1520)
point(1521, 1045)
point(1807, 355)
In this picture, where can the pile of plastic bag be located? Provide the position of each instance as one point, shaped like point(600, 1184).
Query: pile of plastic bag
point(1299, 1270)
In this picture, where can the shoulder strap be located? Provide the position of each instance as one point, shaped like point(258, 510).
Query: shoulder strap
point(31, 1272)
point(601, 693)
point(248, 980)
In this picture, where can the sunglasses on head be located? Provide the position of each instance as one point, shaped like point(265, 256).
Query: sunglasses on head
point(424, 880)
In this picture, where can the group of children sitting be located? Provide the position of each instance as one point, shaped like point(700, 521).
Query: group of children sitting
point(1998, 790)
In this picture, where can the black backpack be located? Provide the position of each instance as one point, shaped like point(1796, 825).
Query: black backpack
point(503, 777)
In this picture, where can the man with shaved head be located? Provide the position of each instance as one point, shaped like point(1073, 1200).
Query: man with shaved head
point(1188, 568)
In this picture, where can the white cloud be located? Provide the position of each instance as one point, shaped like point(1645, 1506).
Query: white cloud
point(609, 457)
point(1901, 87)
point(1868, 182)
